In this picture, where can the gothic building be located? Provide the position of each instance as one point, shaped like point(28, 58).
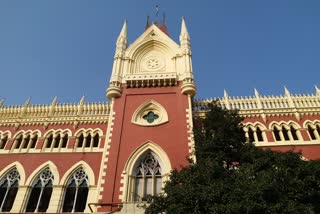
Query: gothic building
point(103, 157)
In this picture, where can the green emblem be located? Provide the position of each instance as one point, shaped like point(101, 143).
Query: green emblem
point(150, 117)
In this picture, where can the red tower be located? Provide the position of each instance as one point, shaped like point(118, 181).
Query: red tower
point(150, 132)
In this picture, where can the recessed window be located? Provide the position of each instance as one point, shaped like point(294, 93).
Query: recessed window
point(40, 194)
point(148, 178)
point(56, 141)
point(150, 113)
point(8, 190)
point(3, 141)
point(87, 140)
point(76, 192)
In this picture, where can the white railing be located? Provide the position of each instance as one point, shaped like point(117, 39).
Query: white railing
point(54, 110)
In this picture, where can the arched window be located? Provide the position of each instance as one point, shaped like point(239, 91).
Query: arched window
point(80, 141)
point(148, 177)
point(56, 141)
point(311, 132)
point(294, 133)
point(41, 191)
point(8, 190)
point(96, 140)
point(18, 142)
point(76, 192)
point(318, 129)
point(87, 140)
point(49, 141)
point(285, 134)
point(34, 141)
point(64, 141)
point(276, 133)
point(3, 141)
point(251, 136)
point(259, 134)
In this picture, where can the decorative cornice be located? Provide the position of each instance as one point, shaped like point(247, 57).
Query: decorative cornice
point(54, 114)
point(262, 106)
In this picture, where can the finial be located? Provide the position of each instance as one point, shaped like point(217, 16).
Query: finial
point(122, 39)
point(1, 102)
point(54, 101)
point(82, 100)
point(317, 90)
point(184, 34)
point(225, 93)
point(27, 103)
point(256, 93)
point(123, 32)
point(286, 91)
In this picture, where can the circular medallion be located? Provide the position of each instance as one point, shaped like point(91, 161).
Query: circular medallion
point(153, 63)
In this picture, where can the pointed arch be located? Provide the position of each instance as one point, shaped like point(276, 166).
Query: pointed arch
point(160, 115)
point(62, 131)
point(6, 133)
point(78, 183)
point(40, 189)
point(129, 173)
point(19, 168)
point(81, 164)
point(53, 168)
point(86, 131)
point(9, 186)
point(148, 146)
point(153, 35)
point(26, 132)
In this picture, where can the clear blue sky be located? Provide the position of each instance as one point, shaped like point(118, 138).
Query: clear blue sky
point(65, 48)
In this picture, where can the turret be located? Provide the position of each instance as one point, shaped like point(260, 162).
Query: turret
point(188, 87)
point(114, 89)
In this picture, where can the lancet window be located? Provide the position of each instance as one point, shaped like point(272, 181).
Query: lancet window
point(87, 140)
point(314, 131)
point(25, 141)
point(8, 190)
point(286, 133)
point(148, 177)
point(40, 193)
point(76, 192)
point(3, 140)
point(254, 134)
point(56, 140)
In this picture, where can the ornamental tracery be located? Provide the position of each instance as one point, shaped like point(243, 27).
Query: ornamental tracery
point(41, 192)
point(76, 192)
point(147, 178)
point(25, 140)
point(150, 113)
point(148, 166)
point(8, 190)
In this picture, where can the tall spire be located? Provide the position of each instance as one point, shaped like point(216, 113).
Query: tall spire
point(184, 34)
point(122, 40)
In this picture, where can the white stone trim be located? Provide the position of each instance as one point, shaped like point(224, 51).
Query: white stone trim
point(151, 105)
point(164, 162)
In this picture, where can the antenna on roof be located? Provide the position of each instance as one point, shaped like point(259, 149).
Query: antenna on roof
point(148, 24)
point(164, 18)
point(157, 14)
